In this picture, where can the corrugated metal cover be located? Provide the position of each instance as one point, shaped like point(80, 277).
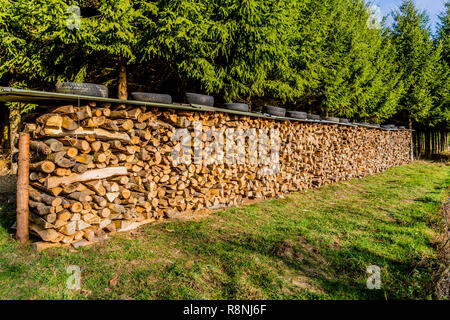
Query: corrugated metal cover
point(43, 97)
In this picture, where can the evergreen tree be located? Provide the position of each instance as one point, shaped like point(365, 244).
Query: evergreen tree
point(255, 51)
point(319, 56)
point(105, 42)
point(418, 61)
point(444, 32)
point(38, 44)
point(347, 68)
point(22, 44)
point(238, 49)
point(174, 45)
point(441, 112)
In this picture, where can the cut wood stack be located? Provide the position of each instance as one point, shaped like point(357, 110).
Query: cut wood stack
point(98, 169)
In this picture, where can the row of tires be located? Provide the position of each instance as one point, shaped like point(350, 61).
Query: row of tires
point(96, 90)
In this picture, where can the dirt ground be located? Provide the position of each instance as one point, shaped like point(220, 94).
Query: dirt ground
point(443, 274)
point(8, 181)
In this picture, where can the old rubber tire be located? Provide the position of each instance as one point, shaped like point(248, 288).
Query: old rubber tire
point(296, 114)
point(82, 89)
point(201, 99)
point(152, 97)
point(331, 119)
point(365, 124)
point(275, 111)
point(343, 120)
point(236, 106)
point(376, 125)
point(388, 126)
point(313, 116)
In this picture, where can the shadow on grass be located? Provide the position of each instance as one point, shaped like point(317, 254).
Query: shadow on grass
point(313, 246)
point(428, 200)
point(338, 273)
point(7, 216)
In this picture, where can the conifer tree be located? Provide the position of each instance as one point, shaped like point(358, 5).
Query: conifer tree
point(38, 43)
point(441, 111)
point(417, 60)
point(235, 48)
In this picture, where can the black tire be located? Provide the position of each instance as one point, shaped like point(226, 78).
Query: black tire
point(275, 111)
point(296, 114)
point(331, 119)
point(388, 126)
point(313, 116)
point(152, 97)
point(82, 89)
point(343, 120)
point(236, 106)
point(365, 124)
point(376, 125)
point(402, 127)
point(201, 99)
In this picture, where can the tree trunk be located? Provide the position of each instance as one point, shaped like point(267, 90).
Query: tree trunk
point(432, 142)
point(445, 140)
point(14, 120)
point(4, 126)
point(22, 188)
point(122, 80)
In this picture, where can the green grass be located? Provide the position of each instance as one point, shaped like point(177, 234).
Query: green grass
point(309, 245)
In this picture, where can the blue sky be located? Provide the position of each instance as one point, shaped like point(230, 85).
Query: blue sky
point(432, 7)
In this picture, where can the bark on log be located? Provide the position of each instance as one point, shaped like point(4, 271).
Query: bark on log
point(22, 232)
point(53, 182)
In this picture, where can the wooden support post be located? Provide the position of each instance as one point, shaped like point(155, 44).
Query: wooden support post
point(22, 188)
point(122, 81)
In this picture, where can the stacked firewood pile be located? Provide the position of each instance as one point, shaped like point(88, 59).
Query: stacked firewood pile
point(98, 169)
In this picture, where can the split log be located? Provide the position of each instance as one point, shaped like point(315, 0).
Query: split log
point(40, 147)
point(53, 182)
point(96, 132)
point(93, 122)
point(50, 120)
point(42, 245)
point(110, 125)
point(82, 113)
point(46, 234)
point(43, 166)
point(79, 168)
point(55, 145)
point(69, 229)
point(71, 152)
point(44, 198)
point(68, 124)
point(81, 196)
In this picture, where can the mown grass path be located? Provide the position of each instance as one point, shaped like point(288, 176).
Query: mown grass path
point(309, 245)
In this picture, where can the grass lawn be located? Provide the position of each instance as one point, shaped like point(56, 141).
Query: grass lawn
point(309, 245)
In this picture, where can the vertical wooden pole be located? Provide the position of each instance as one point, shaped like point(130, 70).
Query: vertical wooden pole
point(22, 188)
point(14, 120)
point(122, 80)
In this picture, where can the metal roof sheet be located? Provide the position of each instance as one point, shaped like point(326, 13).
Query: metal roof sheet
point(39, 97)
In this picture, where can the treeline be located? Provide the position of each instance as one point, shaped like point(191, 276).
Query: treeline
point(324, 56)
